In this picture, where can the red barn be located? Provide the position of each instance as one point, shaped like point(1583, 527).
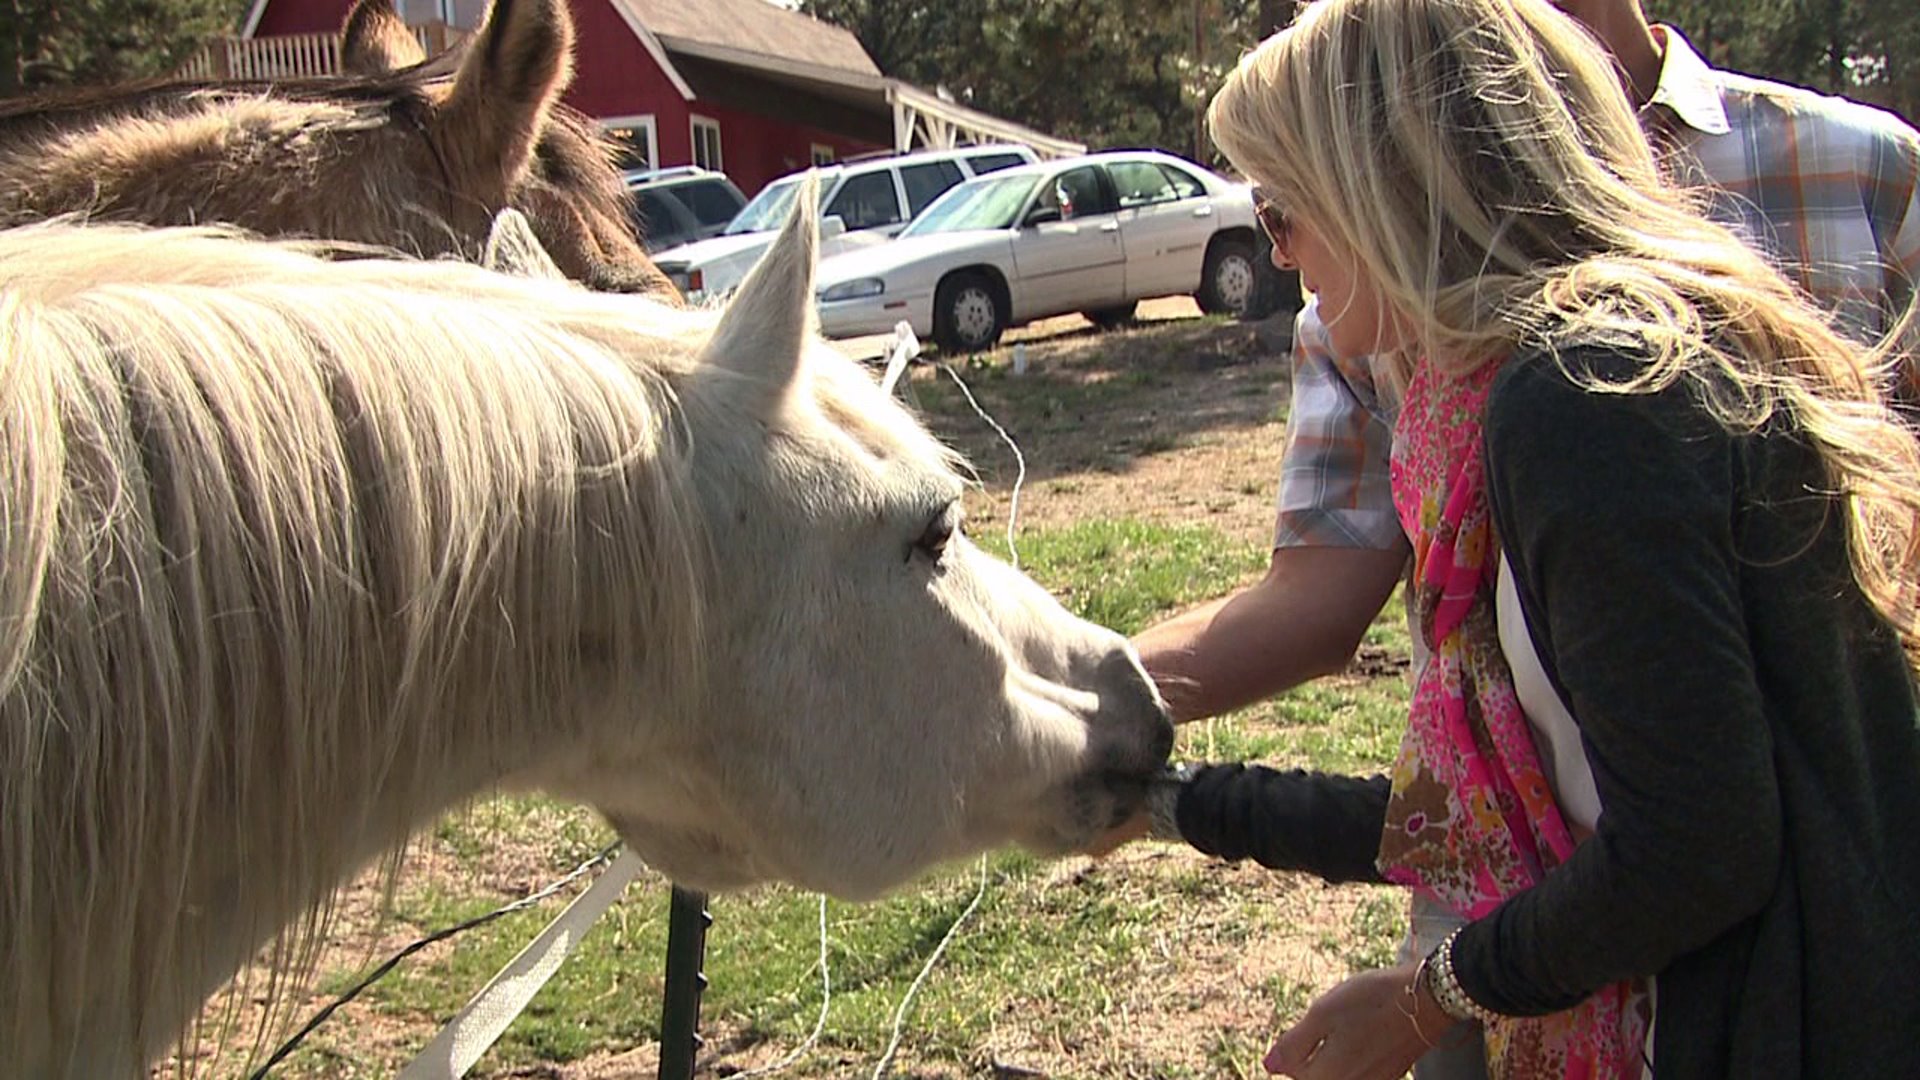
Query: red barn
point(744, 86)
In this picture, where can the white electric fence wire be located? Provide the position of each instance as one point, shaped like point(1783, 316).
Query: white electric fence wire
point(1019, 460)
point(819, 1025)
point(906, 1000)
point(980, 893)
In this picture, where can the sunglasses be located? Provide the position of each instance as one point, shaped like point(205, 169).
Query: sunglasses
point(1273, 220)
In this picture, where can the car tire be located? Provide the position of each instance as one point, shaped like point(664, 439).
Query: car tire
point(1227, 278)
point(969, 313)
point(1109, 318)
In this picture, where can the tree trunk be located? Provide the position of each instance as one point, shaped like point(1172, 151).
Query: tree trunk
point(1838, 35)
point(1274, 14)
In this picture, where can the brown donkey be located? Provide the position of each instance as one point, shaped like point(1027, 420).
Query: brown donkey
point(399, 152)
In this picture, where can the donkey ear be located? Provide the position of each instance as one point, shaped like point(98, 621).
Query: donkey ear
point(512, 248)
point(766, 326)
point(514, 70)
point(374, 40)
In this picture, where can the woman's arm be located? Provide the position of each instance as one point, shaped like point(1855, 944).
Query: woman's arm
point(1617, 512)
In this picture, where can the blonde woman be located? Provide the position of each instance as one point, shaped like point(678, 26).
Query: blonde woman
point(1665, 753)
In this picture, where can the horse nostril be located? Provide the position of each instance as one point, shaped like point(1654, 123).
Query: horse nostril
point(1163, 741)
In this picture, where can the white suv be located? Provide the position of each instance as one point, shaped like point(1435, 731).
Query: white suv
point(861, 202)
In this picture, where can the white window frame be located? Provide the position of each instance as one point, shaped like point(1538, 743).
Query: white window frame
point(821, 154)
point(695, 122)
point(643, 121)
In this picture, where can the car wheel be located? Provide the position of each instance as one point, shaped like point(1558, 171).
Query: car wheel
point(1108, 318)
point(968, 313)
point(1226, 282)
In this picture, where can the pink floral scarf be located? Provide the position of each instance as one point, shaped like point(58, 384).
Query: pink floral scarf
point(1471, 820)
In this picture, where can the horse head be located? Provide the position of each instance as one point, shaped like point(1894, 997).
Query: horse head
point(879, 694)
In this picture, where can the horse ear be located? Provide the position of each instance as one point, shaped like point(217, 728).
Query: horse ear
point(512, 248)
point(514, 70)
point(374, 40)
point(766, 326)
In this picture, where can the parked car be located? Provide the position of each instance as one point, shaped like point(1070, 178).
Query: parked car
point(861, 202)
point(681, 205)
point(1094, 234)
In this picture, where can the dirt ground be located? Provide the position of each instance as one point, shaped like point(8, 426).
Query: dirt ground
point(1200, 443)
point(1199, 440)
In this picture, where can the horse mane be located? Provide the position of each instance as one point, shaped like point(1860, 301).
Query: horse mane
point(282, 530)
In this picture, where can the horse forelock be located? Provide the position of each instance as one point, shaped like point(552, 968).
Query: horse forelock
point(281, 532)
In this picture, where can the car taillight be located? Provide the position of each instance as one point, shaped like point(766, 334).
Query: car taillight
point(696, 281)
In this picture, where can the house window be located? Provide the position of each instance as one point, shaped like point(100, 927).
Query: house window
point(633, 136)
point(822, 154)
point(706, 144)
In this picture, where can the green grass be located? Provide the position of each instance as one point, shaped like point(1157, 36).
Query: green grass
point(1059, 957)
point(1125, 574)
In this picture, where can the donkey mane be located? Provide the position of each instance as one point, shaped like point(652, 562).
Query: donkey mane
point(417, 157)
point(420, 499)
point(95, 104)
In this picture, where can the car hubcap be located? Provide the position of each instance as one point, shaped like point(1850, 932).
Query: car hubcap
point(973, 316)
point(1233, 282)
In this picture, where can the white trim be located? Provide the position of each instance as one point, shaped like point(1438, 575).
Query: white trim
point(940, 121)
point(694, 123)
point(639, 120)
point(653, 48)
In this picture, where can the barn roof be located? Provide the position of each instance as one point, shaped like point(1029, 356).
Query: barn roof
point(755, 33)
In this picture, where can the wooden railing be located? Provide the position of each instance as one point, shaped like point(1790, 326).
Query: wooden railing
point(292, 56)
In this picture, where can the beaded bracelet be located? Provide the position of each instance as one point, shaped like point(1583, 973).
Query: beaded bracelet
point(1437, 975)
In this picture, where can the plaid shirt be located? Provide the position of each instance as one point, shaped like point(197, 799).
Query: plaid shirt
point(1825, 186)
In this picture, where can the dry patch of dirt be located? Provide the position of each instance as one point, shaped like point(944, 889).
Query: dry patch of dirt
point(1176, 419)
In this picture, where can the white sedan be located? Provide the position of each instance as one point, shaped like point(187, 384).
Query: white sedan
point(1094, 234)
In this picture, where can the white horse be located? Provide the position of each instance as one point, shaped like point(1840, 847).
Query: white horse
point(300, 554)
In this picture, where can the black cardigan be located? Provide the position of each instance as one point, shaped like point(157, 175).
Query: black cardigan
point(1752, 728)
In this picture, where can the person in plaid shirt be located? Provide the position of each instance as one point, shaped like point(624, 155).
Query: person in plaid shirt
point(1826, 186)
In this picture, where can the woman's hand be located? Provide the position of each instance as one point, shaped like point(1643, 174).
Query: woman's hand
point(1363, 1029)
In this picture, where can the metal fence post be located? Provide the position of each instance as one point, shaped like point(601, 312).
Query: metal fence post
point(680, 1041)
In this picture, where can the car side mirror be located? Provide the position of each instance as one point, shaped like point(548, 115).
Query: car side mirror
point(1040, 215)
point(831, 226)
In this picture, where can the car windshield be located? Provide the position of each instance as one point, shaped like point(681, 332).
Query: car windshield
point(987, 203)
point(767, 211)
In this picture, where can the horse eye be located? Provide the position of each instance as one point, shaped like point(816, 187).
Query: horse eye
point(939, 531)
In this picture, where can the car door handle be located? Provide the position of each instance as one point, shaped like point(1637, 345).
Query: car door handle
point(1203, 211)
point(1111, 226)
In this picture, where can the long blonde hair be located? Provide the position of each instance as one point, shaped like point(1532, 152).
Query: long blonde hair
point(1480, 161)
